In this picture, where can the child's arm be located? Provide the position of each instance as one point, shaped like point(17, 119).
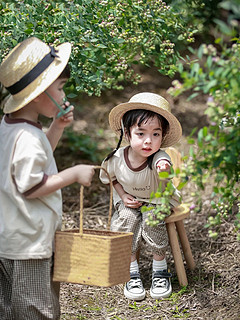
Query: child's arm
point(81, 174)
point(128, 200)
point(55, 131)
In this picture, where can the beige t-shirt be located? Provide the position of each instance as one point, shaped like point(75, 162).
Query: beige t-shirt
point(139, 182)
point(27, 226)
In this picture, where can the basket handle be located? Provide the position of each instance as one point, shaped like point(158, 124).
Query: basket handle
point(110, 202)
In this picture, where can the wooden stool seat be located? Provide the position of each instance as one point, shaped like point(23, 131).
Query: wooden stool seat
point(176, 234)
point(179, 213)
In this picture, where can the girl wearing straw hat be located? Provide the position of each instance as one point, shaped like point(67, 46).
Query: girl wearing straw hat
point(30, 196)
point(148, 125)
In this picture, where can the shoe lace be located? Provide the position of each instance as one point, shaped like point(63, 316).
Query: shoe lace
point(135, 283)
point(160, 278)
point(160, 282)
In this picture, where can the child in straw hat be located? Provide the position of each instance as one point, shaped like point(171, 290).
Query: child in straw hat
point(148, 125)
point(30, 196)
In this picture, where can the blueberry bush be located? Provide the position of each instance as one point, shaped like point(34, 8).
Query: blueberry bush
point(109, 37)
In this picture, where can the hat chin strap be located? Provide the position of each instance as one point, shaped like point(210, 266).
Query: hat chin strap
point(62, 111)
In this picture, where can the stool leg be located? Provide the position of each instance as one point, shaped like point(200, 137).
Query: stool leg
point(185, 245)
point(173, 240)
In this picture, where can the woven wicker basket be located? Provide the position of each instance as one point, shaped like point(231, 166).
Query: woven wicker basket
point(92, 257)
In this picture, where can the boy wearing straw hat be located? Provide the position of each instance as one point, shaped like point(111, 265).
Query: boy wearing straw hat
point(148, 125)
point(30, 196)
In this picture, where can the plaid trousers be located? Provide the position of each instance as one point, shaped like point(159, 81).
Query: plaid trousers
point(127, 219)
point(27, 291)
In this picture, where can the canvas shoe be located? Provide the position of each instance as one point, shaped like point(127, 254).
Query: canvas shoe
point(161, 285)
point(133, 289)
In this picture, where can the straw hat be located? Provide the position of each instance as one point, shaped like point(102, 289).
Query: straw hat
point(29, 69)
point(152, 102)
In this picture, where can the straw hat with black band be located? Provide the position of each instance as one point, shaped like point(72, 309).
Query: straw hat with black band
point(152, 102)
point(29, 69)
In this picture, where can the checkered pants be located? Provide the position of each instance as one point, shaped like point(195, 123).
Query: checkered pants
point(132, 220)
point(27, 291)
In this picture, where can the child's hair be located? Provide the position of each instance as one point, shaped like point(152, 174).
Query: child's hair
point(138, 116)
point(66, 72)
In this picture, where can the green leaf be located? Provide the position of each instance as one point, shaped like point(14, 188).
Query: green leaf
point(177, 171)
point(211, 84)
point(194, 95)
point(102, 46)
point(205, 131)
point(200, 52)
point(181, 185)
point(191, 151)
point(195, 68)
point(14, 42)
point(163, 175)
point(191, 141)
point(223, 27)
point(72, 95)
point(28, 31)
point(200, 135)
point(215, 189)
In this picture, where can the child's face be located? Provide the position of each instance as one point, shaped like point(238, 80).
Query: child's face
point(146, 139)
point(55, 90)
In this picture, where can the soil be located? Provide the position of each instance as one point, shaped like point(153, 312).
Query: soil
point(213, 292)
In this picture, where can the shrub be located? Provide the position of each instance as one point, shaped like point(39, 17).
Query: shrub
point(215, 155)
point(109, 37)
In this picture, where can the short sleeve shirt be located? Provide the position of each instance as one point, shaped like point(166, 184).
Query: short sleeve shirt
point(27, 226)
point(139, 182)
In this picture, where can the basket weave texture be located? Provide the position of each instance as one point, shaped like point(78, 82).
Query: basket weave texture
point(92, 257)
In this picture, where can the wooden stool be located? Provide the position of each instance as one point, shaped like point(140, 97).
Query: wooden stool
point(175, 229)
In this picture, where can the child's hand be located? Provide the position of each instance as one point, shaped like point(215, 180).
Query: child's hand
point(67, 118)
point(130, 201)
point(163, 165)
point(84, 174)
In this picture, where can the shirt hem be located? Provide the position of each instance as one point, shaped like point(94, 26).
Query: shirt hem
point(26, 256)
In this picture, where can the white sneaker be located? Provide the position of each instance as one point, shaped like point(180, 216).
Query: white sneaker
point(161, 285)
point(133, 289)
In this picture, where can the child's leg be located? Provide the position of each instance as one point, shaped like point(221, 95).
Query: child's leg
point(33, 294)
point(129, 220)
point(157, 239)
point(6, 312)
point(134, 289)
point(159, 262)
point(161, 285)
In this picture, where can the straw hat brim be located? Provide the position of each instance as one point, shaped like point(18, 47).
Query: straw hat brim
point(175, 130)
point(15, 102)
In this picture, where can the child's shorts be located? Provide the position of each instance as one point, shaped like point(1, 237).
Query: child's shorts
point(27, 291)
point(132, 220)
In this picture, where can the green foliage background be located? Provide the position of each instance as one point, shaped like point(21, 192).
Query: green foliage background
point(108, 37)
point(214, 158)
